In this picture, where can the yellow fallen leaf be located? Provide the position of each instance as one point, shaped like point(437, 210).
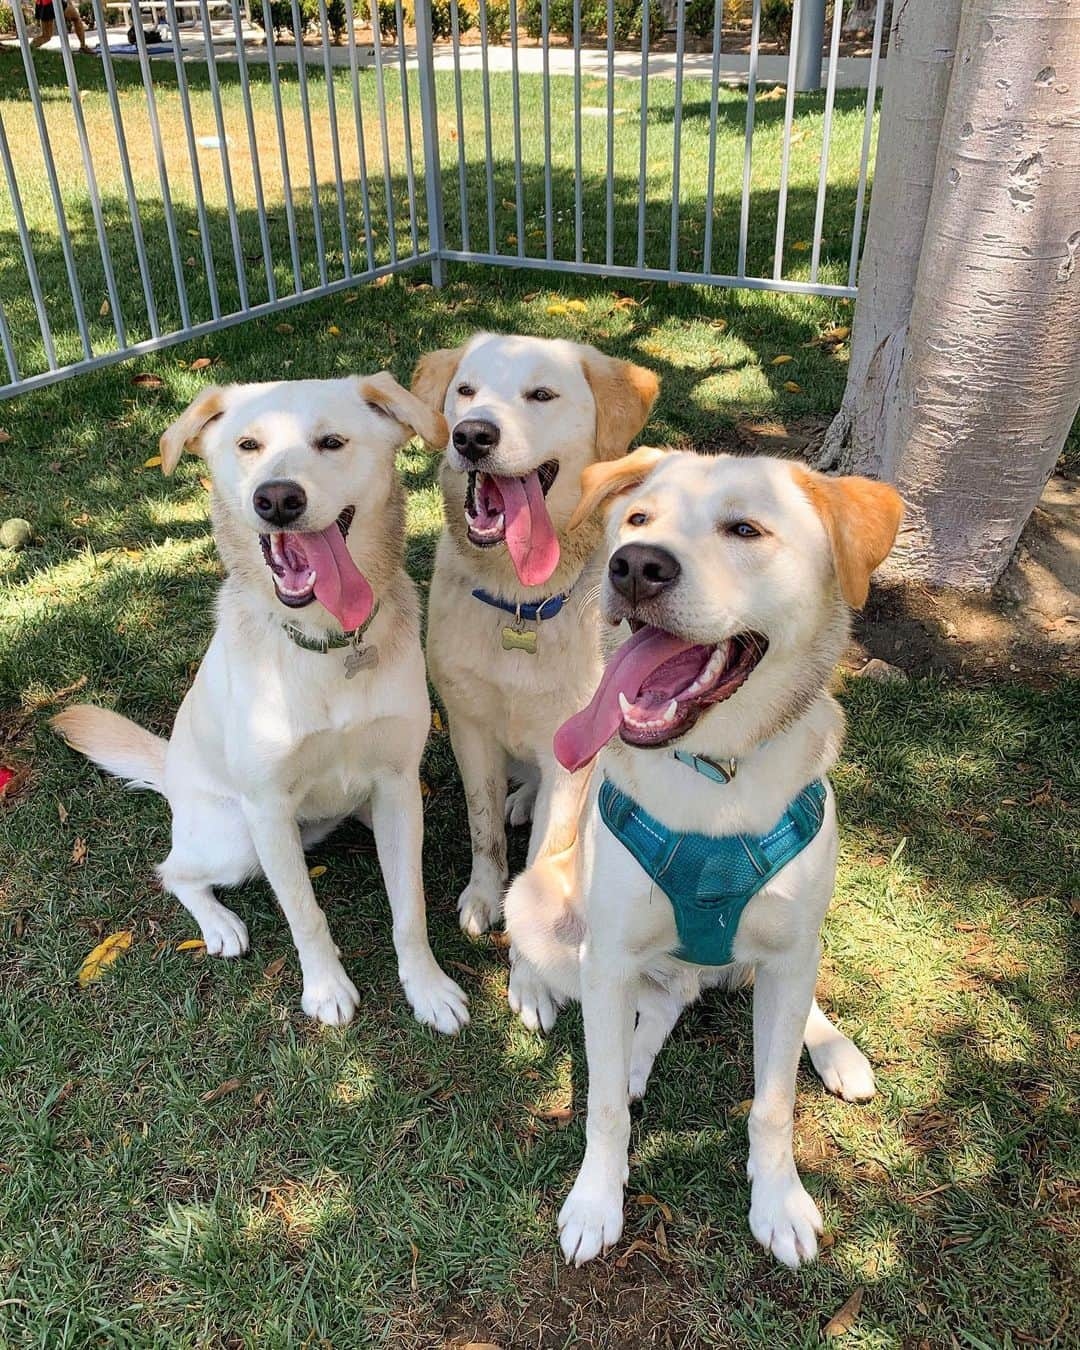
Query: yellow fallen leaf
point(836, 334)
point(317, 871)
point(425, 789)
point(557, 309)
point(741, 1109)
point(719, 324)
point(792, 387)
point(191, 945)
point(104, 308)
point(511, 238)
point(578, 306)
point(626, 302)
point(104, 954)
point(201, 363)
point(193, 233)
point(436, 721)
point(79, 851)
point(379, 281)
point(152, 462)
point(800, 246)
point(206, 483)
point(781, 360)
point(334, 330)
point(844, 1320)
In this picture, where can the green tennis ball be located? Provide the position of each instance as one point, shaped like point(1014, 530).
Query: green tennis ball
point(15, 533)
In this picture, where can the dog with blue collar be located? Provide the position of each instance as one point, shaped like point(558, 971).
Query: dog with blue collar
point(706, 850)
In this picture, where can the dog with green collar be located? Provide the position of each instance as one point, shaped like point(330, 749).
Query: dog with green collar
point(706, 850)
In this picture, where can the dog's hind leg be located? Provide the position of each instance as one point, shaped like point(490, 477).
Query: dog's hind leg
point(211, 847)
point(658, 1011)
point(839, 1062)
point(557, 810)
point(546, 927)
point(224, 932)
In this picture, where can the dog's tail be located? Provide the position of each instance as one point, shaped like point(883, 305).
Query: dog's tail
point(545, 921)
point(117, 744)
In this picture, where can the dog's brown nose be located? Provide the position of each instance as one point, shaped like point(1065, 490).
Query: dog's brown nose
point(641, 571)
point(279, 501)
point(474, 437)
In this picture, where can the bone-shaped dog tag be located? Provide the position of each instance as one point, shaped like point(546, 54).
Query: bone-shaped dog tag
point(519, 640)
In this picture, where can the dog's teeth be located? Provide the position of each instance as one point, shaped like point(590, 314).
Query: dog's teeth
point(670, 711)
point(625, 706)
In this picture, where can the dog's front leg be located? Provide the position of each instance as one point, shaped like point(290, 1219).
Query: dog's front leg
point(558, 808)
point(398, 823)
point(482, 763)
point(591, 1220)
point(329, 995)
point(783, 1217)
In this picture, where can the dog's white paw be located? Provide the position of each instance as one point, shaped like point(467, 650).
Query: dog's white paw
point(478, 909)
point(531, 999)
point(844, 1069)
point(520, 802)
point(330, 996)
point(784, 1219)
point(224, 933)
point(591, 1220)
point(436, 1000)
point(640, 1069)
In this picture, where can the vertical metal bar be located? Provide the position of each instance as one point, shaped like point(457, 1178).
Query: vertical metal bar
point(223, 151)
point(549, 210)
point(864, 161)
point(331, 109)
point(193, 158)
point(27, 248)
point(748, 149)
point(463, 191)
point(163, 175)
point(826, 135)
point(380, 81)
point(676, 136)
point(54, 185)
point(515, 94)
point(643, 154)
point(9, 350)
point(579, 246)
point(406, 122)
point(283, 152)
point(609, 218)
point(429, 125)
point(253, 148)
point(489, 168)
point(714, 105)
point(305, 112)
point(358, 117)
point(125, 169)
point(808, 47)
point(789, 108)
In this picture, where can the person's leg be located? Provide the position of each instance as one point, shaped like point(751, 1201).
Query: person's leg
point(45, 32)
point(71, 13)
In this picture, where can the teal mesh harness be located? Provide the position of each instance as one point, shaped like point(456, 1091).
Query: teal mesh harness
point(710, 879)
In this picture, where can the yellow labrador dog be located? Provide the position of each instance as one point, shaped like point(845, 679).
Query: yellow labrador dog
point(512, 641)
point(311, 702)
point(708, 841)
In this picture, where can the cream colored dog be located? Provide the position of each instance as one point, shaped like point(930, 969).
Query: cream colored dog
point(527, 416)
point(292, 724)
point(736, 576)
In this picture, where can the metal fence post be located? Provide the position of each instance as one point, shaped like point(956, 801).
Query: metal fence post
point(810, 36)
point(429, 120)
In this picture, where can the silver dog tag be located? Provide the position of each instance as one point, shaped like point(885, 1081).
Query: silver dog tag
point(360, 658)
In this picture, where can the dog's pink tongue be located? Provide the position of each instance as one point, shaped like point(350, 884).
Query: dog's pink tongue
point(530, 535)
point(339, 584)
point(582, 738)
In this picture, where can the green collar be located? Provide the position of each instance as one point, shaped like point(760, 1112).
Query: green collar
point(332, 642)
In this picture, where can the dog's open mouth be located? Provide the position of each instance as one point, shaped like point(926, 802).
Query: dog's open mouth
point(654, 689)
point(500, 509)
point(318, 566)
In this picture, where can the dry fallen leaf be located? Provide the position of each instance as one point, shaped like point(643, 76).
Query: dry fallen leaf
point(314, 872)
point(780, 360)
point(79, 851)
point(792, 387)
point(201, 363)
point(144, 380)
point(436, 721)
point(104, 954)
point(191, 945)
point(334, 330)
point(274, 969)
point(206, 483)
point(222, 1090)
point(626, 302)
point(152, 462)
point(283, 328)
point(104, 308)
point(528, 299)
point(381, 281)
point(844, 1320)
point(62, 812)
point(578, 306)
point(415, 1257)
point(800, 245)
point(651, 1201)
point(4, 436)
point(741, 1109)
point(636, 1246)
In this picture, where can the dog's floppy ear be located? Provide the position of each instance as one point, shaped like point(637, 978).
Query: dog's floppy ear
point(386, 396)
point(433, 374)
point(623, 394)
point(604, 480)
point(189, 426)
point(861, 518)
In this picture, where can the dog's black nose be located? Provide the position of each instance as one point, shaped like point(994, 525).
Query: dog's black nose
point(279, 501)
point(641, 571)
point(474, 438)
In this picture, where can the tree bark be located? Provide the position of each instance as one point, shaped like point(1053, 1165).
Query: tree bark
point(990, 380)
point(921, 49)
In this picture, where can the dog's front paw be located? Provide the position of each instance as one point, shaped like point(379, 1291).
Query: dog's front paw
point(591, 1220)
point(435, 999)
point(530, 998)
point(520, 802)
point(784, 1219)
point(224, 933)
point(330, 996)
point(844, 1069)
point(478, 908)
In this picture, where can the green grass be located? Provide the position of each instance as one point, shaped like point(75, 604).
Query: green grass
point(380, 1185)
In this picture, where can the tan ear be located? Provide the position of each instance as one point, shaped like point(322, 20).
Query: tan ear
point(189, 426)
point(624, 395)
point(605, 479)
point(861, 518)
point(432, 376)
point(384, 393)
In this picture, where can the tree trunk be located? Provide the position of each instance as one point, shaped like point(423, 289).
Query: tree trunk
point(921, 48)
point(990, 381)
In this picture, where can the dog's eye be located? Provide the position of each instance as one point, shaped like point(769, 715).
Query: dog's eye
point(541, 395)
point(742, 529)
point(638, 518)
point(330, 442)
point(247, 443)
point(466, 391)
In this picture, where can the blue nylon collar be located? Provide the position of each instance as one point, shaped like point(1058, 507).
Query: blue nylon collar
point(535, 611)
